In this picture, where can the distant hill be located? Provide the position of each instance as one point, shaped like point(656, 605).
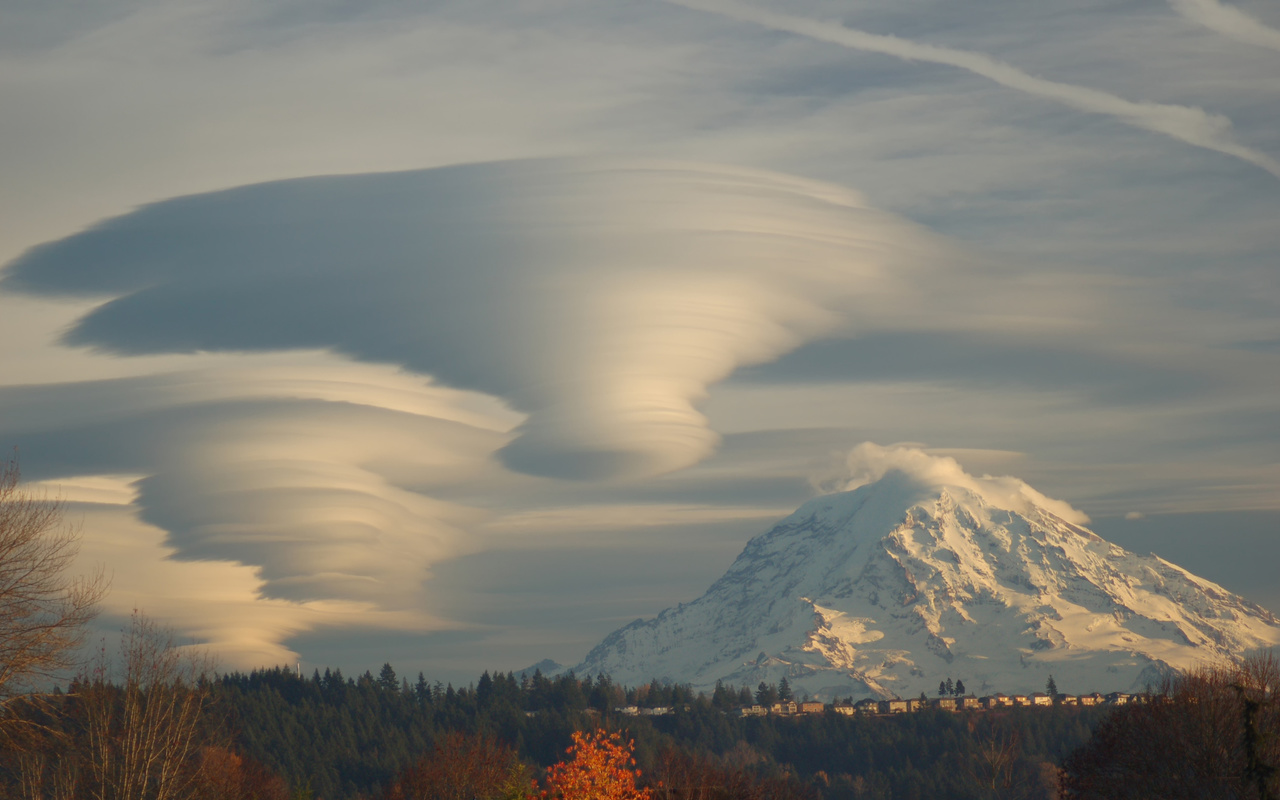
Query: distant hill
point(546, 666)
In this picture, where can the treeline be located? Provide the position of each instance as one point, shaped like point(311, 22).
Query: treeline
point(342, 737)
point(161, 728)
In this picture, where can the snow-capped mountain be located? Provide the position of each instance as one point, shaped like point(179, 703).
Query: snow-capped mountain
point(926, 573)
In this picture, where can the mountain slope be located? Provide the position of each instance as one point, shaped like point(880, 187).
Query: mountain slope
point(925, 574)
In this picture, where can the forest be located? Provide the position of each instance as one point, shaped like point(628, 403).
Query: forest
point(345, 737)
point(271, 734)
point(274, 734)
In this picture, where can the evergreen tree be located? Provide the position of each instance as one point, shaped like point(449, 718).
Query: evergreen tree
point(721, 698)
point(658, 695)
point(387, 679)
point(484, 690)
point(951, 687)
point(602, 694)
point(1051, 689)
point(960, 688)
point(766, 694)
point(942, 687)
point(784, 690)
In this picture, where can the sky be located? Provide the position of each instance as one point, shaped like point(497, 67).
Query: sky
point(456, 335)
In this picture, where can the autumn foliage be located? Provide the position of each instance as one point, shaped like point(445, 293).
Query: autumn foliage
point(685, 776)
point(601, 767)
point(463, 767)
point(226, 775)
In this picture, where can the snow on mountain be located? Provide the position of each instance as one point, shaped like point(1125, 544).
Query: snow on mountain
point(925, 572)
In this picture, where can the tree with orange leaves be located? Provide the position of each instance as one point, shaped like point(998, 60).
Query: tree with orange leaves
point(601, 768)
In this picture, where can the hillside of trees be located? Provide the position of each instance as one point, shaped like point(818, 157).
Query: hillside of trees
point(343, 737)
point(164, 731)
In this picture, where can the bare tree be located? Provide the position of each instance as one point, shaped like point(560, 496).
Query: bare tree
point(998, 753)
point(43, 611)
point(136, 730)
point(1213, 732)
point(144, 735)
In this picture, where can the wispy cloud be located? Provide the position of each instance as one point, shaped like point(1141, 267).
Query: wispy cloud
point(1229, 21)
point(1188, 124)
point(869, 462)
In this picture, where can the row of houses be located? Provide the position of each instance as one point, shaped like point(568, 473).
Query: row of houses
point(967, 703)
point(637, 711)
point(871, 707)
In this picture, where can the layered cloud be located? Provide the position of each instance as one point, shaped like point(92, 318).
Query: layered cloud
point(247, 501)
point(215, 604)
point(294, 436)
point(599, 298)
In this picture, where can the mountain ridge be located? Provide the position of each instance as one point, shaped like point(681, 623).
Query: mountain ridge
point(923, 573)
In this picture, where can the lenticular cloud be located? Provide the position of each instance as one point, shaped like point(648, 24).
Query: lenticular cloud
point(600, 299)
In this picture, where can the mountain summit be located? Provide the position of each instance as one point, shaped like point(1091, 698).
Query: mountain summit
point(925, 572)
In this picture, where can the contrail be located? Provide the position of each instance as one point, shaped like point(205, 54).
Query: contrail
point(1229, 21)
point(1189, 124)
